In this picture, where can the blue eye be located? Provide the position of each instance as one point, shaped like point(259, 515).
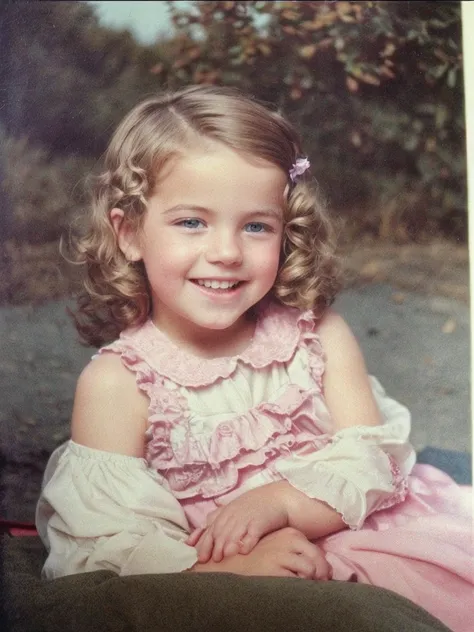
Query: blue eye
point(190, 223)
point(257, 227)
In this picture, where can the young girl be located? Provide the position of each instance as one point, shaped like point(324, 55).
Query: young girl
point(228, 422)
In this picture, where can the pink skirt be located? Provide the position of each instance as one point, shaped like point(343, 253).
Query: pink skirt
point(421, 548)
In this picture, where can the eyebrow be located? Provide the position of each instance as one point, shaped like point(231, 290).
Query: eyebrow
point(266, 212)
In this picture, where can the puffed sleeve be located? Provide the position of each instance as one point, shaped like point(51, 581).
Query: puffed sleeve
point(101, 510)
point(363, 469)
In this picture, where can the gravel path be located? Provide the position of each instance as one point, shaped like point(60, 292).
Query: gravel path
point(418, 346)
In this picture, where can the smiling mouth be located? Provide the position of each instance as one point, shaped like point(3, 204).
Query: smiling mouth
point(217, 285)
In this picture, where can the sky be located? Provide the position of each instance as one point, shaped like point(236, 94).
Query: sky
point(145, 20)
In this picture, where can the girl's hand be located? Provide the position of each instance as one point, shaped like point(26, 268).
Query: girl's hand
point(237, 527)
point(283, 553)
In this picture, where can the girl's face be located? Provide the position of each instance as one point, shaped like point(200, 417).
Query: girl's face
point(216, 220)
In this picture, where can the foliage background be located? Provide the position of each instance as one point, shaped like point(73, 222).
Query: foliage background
point(376, 89)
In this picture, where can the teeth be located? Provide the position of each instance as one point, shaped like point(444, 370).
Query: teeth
point(218, 285)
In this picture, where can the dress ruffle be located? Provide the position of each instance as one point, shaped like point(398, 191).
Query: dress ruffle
point(209, 465)
point(356, 473)
point(278, 333)
point(309, 340)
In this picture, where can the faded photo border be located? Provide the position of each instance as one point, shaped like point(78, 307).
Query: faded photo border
point(468, 56)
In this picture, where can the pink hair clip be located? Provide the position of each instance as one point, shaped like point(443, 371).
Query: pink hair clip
point(300, 166)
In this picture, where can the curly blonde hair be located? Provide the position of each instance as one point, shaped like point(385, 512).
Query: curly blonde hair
point(116, 293)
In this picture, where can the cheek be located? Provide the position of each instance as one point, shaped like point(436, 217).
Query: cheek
point(168, 252)
point(268, 259)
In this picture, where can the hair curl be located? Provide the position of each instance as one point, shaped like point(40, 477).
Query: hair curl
point(115, 292)
point(310, 274)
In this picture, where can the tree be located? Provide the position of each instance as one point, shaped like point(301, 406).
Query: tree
point(66, 80)
point(375, 87)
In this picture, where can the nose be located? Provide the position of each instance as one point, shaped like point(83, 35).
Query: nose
point(224, 247)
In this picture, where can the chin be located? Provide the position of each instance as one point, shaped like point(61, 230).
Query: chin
point(221, 322)
point(219, 326)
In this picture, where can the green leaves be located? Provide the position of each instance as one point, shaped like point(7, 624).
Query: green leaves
point(369, 83)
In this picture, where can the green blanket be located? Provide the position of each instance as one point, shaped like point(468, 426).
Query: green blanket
point(104, 602)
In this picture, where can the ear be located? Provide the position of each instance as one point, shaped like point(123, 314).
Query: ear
point(127, 236)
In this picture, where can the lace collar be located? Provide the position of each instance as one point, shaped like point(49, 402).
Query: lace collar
point(275, 339)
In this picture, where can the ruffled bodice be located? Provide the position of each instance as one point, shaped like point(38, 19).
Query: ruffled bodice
point(218, 427)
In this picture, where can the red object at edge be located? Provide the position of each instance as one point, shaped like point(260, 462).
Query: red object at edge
point(18, 529)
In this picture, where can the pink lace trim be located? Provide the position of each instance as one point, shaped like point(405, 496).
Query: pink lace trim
point(279, 332)
point(312, 343)
point(400, 487)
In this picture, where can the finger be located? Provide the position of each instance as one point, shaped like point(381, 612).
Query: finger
point(194, 536)
point(316, 555)
point(251, 538)
point(227, 543)
point(221, 537)
point(218, 549)
point(278, 571)
point(285, 572)
point(205, 546)
point(323, 570)
point(303, 546)
point(227, 530)
point(248, 542)
point(300, 565)
point(230, 549)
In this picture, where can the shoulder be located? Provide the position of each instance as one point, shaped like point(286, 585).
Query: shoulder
point(341, 348)
point(106, 378)
point(346, 384)
point(335, 334)
point(108, 371)
point(110, 413)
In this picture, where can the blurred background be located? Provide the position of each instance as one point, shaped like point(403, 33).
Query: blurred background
point(376, 89)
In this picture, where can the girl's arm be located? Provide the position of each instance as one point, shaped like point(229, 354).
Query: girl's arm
point(346, 386)
point(350, 401)
point(101, 505)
